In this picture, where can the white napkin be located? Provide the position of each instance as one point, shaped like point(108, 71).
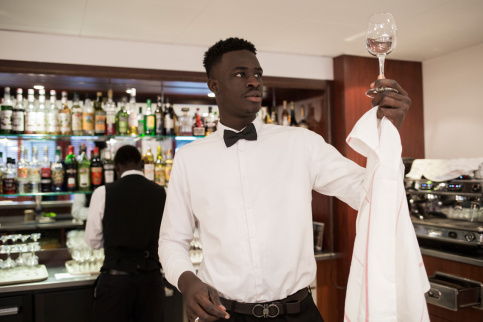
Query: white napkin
point(443, 169)
point(387, 279)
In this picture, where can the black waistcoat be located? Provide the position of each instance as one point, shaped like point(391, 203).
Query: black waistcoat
point(132, 217)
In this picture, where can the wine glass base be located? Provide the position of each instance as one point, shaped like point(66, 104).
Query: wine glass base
point(373, 91)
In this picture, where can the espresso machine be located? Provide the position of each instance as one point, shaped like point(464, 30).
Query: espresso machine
point(447, 212)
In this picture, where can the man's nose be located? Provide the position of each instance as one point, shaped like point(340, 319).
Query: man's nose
point(253, 81)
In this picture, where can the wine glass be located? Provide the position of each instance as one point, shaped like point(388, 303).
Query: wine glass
point(380, 41)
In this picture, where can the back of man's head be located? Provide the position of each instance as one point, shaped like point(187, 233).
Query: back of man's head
point(127, 154)
point(214, 53)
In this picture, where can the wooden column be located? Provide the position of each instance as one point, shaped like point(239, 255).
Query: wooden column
point(352, 77)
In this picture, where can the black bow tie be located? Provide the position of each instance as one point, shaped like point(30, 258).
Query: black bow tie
point(248, 133)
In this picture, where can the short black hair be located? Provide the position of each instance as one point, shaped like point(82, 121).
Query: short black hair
point(214, 53)
point(127, 154)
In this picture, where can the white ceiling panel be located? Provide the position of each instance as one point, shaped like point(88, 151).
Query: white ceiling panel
point(426, 28)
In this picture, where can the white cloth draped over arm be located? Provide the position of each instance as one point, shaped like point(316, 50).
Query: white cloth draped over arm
point(387, 279)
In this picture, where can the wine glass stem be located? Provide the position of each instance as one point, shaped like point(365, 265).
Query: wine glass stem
point(381, 58)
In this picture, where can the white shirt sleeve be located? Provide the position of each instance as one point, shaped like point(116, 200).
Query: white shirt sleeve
point(177, 227)
point(93, 235)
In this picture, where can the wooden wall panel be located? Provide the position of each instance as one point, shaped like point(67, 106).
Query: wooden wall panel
point(352, 77)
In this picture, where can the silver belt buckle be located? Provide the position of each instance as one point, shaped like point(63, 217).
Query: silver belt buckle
point(265, 311)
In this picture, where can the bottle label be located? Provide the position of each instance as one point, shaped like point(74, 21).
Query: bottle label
point(77, 121)
point(41, 122)
point(159, 124)
point(168, 124)
point(6, 119)
point(100, 123)
point(159, 176)
point(64, 121)
point(88, 121)
point(53, 122)
point(18, 121)
point(45, 173)
point(108, 175)
point(70, 182)
point(96, 176)
point(110, 124)
point(22, 173)
point(167, 172)
point(133, 119)
point(8, 185)
point(150, 123)
point(58, 177)
point(31, 121)
point(84, 178)
point(34, 174)
point(149, 171)
point(122, 125)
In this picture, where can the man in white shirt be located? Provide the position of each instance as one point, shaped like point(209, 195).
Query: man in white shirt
point(249, 187)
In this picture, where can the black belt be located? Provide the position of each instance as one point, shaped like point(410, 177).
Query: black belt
point(289, 305)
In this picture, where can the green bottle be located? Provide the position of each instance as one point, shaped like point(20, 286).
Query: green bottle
point(84, 173)
point(149, 120)
point(122, 119)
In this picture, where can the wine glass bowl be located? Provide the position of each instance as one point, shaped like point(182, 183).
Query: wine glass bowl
point(381, 36)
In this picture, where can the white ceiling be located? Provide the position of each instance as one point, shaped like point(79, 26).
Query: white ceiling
point(426, 28)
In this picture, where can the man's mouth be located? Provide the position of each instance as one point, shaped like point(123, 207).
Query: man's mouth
point(254, 96)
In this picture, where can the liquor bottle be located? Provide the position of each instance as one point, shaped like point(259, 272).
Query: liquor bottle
point(159, 172)
point(30, 113)
point(41, 114)
point(285, 115)
point(293, 120)
point(64, 116)
point(83, 172)
point(108, 167)
point(274, 118)
point(133, 114)
point(99, 116)
point(311, 122)
point(18, 115)
point(185, 126)
point(168, 119)
point(159, 115)
point(22, 172)
point(96, 169)
point(168, 166)
point(148, 159)
point(141, 122)
point(149, 120)
point(58, 171)
point(34, 172)
point(122, 119)
point(2, 172)
point(88, 118)
point(210, 122)
point(303, 123)
point(198, 128)
point(77, 116)
point(70, 170)
point(110, 114)
point(46, 175)
point(53, 115)
point(7, 112)
point(9, 181)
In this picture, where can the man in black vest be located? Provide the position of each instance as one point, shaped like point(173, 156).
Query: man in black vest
point(124, 218)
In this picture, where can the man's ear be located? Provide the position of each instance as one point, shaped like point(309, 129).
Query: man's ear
point(213, 85)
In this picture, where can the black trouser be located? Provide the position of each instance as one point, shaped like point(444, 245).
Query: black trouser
point(129, 298)
point(308, 313)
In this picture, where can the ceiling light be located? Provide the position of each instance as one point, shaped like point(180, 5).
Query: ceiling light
point(38, 87)
point(211, 94)
point(128, 91)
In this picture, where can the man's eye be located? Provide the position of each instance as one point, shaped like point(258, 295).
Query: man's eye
point(240, 74)
point(258, 75)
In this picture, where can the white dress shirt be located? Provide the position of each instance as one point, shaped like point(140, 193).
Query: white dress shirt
point(93, 235)
point(253, 204)
point(387, 279)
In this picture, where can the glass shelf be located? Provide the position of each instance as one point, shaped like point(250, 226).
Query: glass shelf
point(61, 193)
point(85, 137)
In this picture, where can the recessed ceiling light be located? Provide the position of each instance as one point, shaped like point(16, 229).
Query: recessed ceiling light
point(128, 91)
point(211, 94)
point(38, 87)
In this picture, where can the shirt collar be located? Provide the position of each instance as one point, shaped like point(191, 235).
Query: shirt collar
point(129, 172)
point(220, 129)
